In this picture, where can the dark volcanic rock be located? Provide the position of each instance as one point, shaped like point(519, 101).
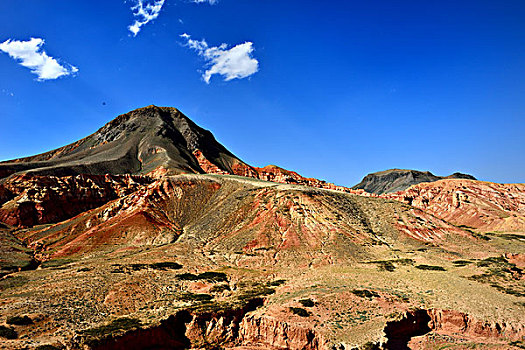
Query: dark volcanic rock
point(133, 143)
point(394, 180)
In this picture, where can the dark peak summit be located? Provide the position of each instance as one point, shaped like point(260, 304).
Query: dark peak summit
point(461, 176)
point(394, 180)
point(136, 142)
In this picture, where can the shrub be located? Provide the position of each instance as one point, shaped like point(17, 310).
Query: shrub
point(166, 266)
point(276, 283)
point(209, 276)
point(386, 266)
point(364, 293)
point(430, 267)
point(300, 312)
point(213, 276)
point(193, 297)
point(118, 325)
point(8, 333)
point(258, 291)
point(307, 302)
point(19, 320)
point(219, 288)
point(46, 347)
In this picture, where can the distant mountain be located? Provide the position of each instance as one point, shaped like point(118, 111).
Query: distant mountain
point(394, 180)
point(136, 143)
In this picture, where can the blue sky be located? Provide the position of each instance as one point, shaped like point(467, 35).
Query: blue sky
point(331, 89)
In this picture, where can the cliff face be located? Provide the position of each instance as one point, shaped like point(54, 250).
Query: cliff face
point(399, 179)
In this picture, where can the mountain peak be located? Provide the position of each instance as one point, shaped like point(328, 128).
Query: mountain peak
point(136, 142)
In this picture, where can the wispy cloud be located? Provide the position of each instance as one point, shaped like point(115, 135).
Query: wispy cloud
point(8, 93)
point(211, 2)
point(234, 63)
point(145, 11)
point(30, 54)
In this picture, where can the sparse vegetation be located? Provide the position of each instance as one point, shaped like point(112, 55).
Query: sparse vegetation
point(117, 326)
point(307, 302)
point(300, 311)
point(208, 276)
point(218, 288)
point(12, 282)
point(8, 333)
point(164, 266)
point(46, 347)
point(501, 274)
point(364, 293)
point(56, 263)
point(430, 267)
point(509, 236)
point(276, 283)
point(19, 320)
point(194, 297)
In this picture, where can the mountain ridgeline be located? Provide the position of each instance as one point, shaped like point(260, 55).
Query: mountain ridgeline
point(394, 180)
point(152, 138)
point(133, 143)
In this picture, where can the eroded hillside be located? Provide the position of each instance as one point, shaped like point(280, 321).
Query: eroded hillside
point(210, 260)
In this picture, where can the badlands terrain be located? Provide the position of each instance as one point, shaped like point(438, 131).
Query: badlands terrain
point(149, 234)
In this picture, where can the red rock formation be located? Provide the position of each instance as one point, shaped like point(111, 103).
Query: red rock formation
point(481, 205)
point(274, 173)
point(28, 200)
point(455, 322)
point(270, 332)
point(155, 214)
point(206, 165)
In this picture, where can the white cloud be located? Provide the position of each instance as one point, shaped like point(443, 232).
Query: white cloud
point(234, 63)
point(145, 11)
point(30, 54)
point(211, 2)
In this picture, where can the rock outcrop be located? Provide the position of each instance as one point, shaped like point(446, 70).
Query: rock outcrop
point(28, 200)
